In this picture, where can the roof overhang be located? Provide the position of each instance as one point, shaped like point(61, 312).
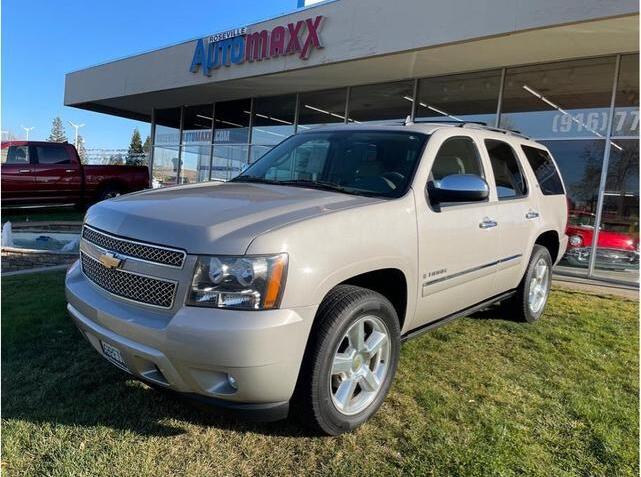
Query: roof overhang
point(419, 40)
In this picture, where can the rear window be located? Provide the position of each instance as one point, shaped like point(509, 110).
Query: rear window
point(15, 155)
point(52, 154)
point(544, 170)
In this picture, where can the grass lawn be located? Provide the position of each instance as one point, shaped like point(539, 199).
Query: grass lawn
point(481, 396)
point(42, 214)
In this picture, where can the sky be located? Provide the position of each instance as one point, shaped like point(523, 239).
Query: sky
point(42, 40)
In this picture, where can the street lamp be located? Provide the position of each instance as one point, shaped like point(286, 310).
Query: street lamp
point(76, 126)
point(28, 129)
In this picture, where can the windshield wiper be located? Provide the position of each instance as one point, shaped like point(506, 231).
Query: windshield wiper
point(316, 185)
point(257, 180)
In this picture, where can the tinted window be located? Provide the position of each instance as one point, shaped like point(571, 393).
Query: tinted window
point(509, 179)
point(15, 155)
point(457, 155)
point(379, 163)
point(52, 155)
point(544, 170)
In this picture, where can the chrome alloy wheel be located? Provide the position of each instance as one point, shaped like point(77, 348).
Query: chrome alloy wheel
point(539, 285)
point(360, 365)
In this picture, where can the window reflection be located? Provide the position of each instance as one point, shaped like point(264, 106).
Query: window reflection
point(167, 126)
point(273, 119)
point(618, 242)
point(468, 97)
point(165, 169)
point(321, 107)
point(380, 102)
point(569, 99)
point(626, 114)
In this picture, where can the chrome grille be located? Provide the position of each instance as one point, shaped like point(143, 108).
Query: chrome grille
point(150, 253)
point(140, 288)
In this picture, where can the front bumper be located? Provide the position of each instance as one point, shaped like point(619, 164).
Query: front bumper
point(193, 350)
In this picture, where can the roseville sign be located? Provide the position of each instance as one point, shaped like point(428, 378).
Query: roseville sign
point(238, 46)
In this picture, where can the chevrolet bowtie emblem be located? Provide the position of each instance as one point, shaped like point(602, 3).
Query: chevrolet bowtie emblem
point(109, 260)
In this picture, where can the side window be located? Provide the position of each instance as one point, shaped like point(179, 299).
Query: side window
point(544, 170)
point(510, 182)
point(15, 155)
point(52, 154)
point(457, 155)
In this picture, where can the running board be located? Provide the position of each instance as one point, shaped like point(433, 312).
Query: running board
point(446, 319)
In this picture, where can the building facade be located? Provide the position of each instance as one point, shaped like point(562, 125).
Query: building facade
point(566, 74)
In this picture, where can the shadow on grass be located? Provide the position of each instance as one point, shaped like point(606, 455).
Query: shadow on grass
point(63, 381)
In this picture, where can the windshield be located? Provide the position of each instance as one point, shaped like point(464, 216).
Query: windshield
point(376, 163)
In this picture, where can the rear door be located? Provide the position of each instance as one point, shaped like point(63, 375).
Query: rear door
point(517, 212)
point(18, 177)
point(58, 173)
point(458, 243)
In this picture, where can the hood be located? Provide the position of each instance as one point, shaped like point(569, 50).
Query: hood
point(214, 218)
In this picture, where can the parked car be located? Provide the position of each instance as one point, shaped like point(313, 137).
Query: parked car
point(46, 173)
point(617, 247)
point(298, 280)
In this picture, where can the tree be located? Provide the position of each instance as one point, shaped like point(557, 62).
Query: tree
point(82, 152)
point(146, 147)
point(58, 133)
point(135, 153)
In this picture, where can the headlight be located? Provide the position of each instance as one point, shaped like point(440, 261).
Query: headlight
point(576, 240)
point(246, 283)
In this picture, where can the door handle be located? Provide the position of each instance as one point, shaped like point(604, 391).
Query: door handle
point(532, 215)
point(70, 170)
point(488, 223)
point(24, 171)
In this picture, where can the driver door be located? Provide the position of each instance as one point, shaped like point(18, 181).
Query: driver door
point(458, 243)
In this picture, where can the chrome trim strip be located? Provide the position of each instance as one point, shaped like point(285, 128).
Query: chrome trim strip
point(140, 303)
point(473, 269)
point(144, 244)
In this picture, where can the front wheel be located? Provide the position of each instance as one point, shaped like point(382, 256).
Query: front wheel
point(532, 293)
point(350, 361)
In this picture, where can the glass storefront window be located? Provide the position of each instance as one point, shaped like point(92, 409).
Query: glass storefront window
point(194, 163)
point(617, 254)
point(197, 124)
point(228, 161)
point(321, 107)
point(379, 102)
point(167, 126)
point(165, 169)
point(466, 97)
point(231, 122)
point(559, 100)
point(273, 119)
point(580, 163)
point(626, 114)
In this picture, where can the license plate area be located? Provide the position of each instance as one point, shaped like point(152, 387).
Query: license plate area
point(114, 355)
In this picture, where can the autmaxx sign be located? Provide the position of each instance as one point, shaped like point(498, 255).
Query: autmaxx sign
point(237, 46)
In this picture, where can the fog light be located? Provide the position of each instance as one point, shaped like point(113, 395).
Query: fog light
point(576, 240)
point(232, 381)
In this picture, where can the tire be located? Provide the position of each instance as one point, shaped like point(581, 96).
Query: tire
point(109, 192)
point(524, 305)
point(334, 403)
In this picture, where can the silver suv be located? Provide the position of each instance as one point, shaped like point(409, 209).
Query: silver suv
point(298, 280)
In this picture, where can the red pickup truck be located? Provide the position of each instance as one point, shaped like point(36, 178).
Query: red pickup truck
point(46, 173)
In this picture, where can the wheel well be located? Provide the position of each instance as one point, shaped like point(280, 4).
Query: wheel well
point(389, 282)
point(549, 240)
point(111, 183)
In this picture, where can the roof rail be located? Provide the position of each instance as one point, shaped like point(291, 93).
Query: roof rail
point(510, 132)
point(462, 124)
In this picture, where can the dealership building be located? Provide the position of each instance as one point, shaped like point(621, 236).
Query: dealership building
point(565, 73)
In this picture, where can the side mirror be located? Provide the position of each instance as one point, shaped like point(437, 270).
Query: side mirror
point(458, 188)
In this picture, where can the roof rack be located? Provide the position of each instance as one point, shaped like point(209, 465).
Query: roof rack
point(462, 124)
